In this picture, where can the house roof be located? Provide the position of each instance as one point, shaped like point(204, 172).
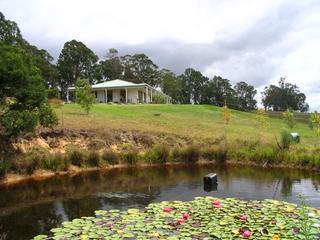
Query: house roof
point(117, 83)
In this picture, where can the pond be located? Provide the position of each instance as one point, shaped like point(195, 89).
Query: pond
point(32, 208)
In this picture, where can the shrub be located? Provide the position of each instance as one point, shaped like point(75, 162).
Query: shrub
point(176, 155)
point(160, 153)
point(190, 154)
point(130, 157)
point(286, 140)
point(110, 157)
point(3, 169)
point(76, 157)
point(93, 159)
point(56, 162)
point(212, 153)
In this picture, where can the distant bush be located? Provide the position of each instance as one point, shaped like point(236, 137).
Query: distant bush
point(110, 157)
point(76, 157)
point(56, 162)
point(286, 140)
point(214, 153)
point(93, 159)
point(130, 157)
point(160, 153)
point(190, 154)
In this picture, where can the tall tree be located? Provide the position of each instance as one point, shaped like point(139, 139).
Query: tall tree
point(219, 91)
point(192, 85)
point(23, 102)
point(171, 85)
point(139, 68)
point(283, 97)
point(245, 94)
point(9, 32)
point(111, 68)
point(75, 61)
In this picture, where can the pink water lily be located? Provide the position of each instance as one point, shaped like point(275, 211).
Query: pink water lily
point(216, 202)
point(181, 220)
point(274, 222)
point(247, 234)
point(218, 205)
point(186, 215)
point(167, 209)
point(244, 218)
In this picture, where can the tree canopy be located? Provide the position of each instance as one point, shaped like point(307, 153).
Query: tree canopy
point(283, 97)
point(75, 61)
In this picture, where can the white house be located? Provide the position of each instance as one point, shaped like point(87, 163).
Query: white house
point(119, 91)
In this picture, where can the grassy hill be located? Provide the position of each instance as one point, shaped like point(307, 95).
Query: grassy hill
point(194, 121)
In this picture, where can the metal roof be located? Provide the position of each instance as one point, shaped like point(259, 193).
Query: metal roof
point(117, 83)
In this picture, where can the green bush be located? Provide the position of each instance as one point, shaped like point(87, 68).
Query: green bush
point(76, 157)
point(56, 162)
point(160, 153)
point(130, 157)
point(286, 140)
point(93, 159)
point(213, 153)
point(190, 154)
point(175, 155)
point(3, 169)
point(110, 157)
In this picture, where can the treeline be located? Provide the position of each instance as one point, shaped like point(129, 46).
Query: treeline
point(76, 61)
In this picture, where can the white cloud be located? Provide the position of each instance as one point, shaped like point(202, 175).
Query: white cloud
point(243, 40)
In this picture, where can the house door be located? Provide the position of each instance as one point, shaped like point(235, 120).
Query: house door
point(122, 96)
point(109, 96)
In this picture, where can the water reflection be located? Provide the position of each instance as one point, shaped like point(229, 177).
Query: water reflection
point(35, 207)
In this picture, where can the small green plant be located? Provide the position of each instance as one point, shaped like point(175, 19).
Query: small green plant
point(93, 159)
point(56, 162)
point(76, 157)
point(226, 114)
point(262, 118)
point(286, 140)
point(110, 157)
point(160, 153)
point(84, 96)
point(288, 116)
point(190, 154)
point(130, 156)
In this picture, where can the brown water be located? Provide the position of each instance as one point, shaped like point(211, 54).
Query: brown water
point(32, 208)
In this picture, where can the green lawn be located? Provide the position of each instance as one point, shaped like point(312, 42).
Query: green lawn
point(195, 121)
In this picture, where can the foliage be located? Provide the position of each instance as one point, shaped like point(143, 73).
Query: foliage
point(219, 154)
point(202, 218)
point(84, 96)
point(139, 68)
point(76, 156)
point(171, 85)
point(75, 61)
point(160, 153)
point(190, 154)
point(289, 118)
point(192, 82)
point(262, 117)
point(47, 117)
point(158, 99)
point(245, 94)
point(283, 97)
point(93, 159)
point(286, 140)
point(110, 157)
point(55, 162)
point(131, 156)
point(315, 123)
point(226, 114)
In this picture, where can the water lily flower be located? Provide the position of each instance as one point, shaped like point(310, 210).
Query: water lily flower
point(167, 209)
point(296, 230)
point(218, 205)
point(274, 222)
point(186, 215)
point(181, 220)
point(247, 234)
point(216, 202)
point(244, 218)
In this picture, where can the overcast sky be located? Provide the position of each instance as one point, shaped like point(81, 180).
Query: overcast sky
point(255, 41)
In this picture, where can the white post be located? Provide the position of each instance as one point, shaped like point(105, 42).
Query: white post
point(67, 96)
point(146, 100)
point(126, 95)
point(106, 95)
point(151, 95)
